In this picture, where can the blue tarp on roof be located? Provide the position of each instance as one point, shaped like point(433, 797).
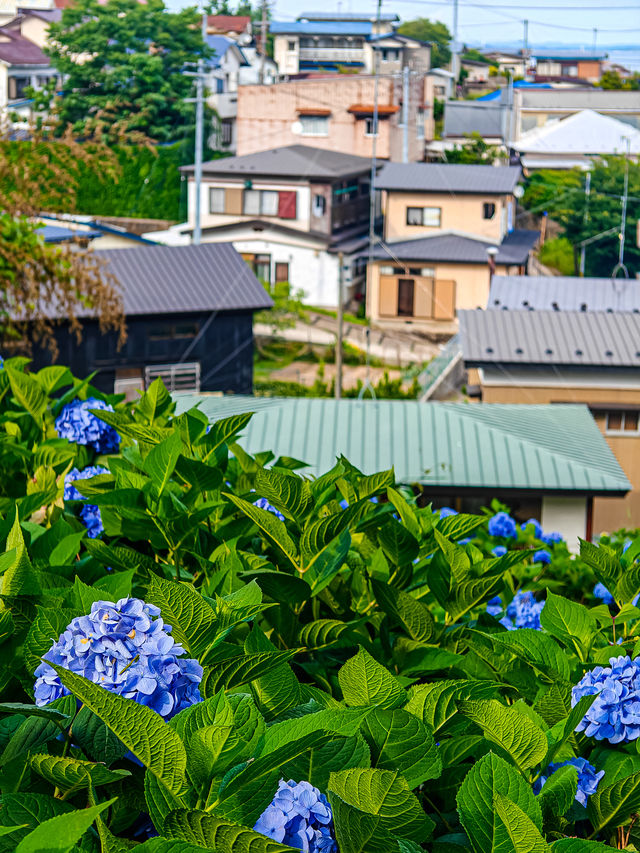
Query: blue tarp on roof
point(518, 84)
point(59, 234)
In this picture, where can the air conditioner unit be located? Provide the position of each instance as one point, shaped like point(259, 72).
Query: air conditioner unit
point(176, 377)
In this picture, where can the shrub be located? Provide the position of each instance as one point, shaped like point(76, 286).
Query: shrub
point(247, 658)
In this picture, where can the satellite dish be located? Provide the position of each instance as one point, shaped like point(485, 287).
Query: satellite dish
point(519, 191)
point(296, 128)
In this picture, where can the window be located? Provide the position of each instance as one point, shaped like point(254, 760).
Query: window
point(262, 268)
point(425, 216)
point(282, 272)
point(344, 192)
point(420, 123)
point(227, 131)
point(216, 200)
point(219, 85)
point(390, 54)
point(625, 422)
point(319, 205)
point(291, 45)
point(315, 125)
point(406, 295)
point(260, 203)
point(369, 127)
point(488, 210)
point(173, 331)
point(18, 87)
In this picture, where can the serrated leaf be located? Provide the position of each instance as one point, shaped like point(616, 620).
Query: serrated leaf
point(35, 731)
point(399, 546)
point(66, 773)
point(403, 609)
point(405, 511)
point(559, 792)
point(342, 722)
point(569, 621)
point(192, 620)
point(19, 578)
point(288, 493)
point(560, 733)
point(143, 731)
point(604, 562)
point(357, 831)
point(398, 740)
point(324, 632)
point(459, 526)
point(514, 734)
point(161, 460)
point(537, 649)
point(95, 739)
point(271, 526)
point(27, 810)
point(489, 776)
point(524, 834)
point(613, 806)
point(436, 703)
point(579, 845)
point(59, 834)
point(241, 669)
point(81, 596)
point(28, 392)
point(364, 681)
point(277, 690)
point(167, 845)
point(45, 630)
point(216, 833)
point(317, 764)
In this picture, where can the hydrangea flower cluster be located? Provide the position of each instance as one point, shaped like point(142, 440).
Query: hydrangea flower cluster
point(523, 612)
point(76, 423)
point(300, 816)
point(499, 551)
point(263, 503)
point(600, 591)
point(446, 511)
point(615, 714)
point(537, 527)
point(553, 538)
point(127, 649)
point(542, 556)
point(501, 524)
point(89, 513)
point(588, 778)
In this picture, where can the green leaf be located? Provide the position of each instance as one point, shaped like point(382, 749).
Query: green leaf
point(27, 810)
point(28, 392)
point(198, 475)
point(167, 845)
point(155, 401)
point(435, 703)
point(579, 845)
point(67, 549)
point(192, 620)
point(45, 630)
point(559, 734)
point(59, 834)
point(383, 793)
point(241, 669)
point(465, 595)
point(406, 512)
point(143, 731)
point(414, 616)
point(269, 525)
point(559, 792)
point(318, 763)
point(568, 621)
point(320, 571)
point(537, 649)
point(399, 546)
point(324, 632)
point(277, 690)
point(524, 834)
point(459, 526)
point(161, 460)
point(488, 777)
point(516, 735)
point(23, 710)
point(357, 831)
point(342, 722)
point(81, 597)
point(288, 493)
point(604, 562)
point(95, 739)
point(35, 731)
point(613, 806)
point(69, 773)
point(400, 741)
point(216, 833)
point(364, 681)
point(20, 578)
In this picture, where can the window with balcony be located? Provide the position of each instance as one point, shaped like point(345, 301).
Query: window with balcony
point(424, 216)
point(216, 200)
point(315, 125)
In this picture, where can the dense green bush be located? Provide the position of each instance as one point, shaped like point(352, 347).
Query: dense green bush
point(347, 637)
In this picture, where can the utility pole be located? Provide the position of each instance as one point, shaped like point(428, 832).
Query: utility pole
point(595, 38)
point(525, 39)
point(455, 64)
point(405, 114)
point(374, 146)
point(625, 193)
point(197, 169)
point(338, 388)
point(587, 193)
point(263, 42)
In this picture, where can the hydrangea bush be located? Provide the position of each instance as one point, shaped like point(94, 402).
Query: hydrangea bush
point(77, 423)
point(424, 678)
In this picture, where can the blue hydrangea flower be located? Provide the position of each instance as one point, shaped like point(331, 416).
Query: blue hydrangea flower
point(503, 525)
point(263, 503)
point(499, 551)
point(523, 612)
point(588, 778)
point(542, 556)
point(89, 513)
point(464, 541)
point(127, 649)
point(600, 591)
point(446, 511)
point(615, 714)
point(300, 816)
point(553, 538)
point(537, 527)
point(76, 423)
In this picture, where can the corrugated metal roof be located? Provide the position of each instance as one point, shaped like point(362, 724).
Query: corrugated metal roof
point(591, 338)
point(293, 161)
point(458, 248)
point(464, 117)
point(564, 293)
point(180, 279)
point(446, 445)
point(568, 53)
point(584, 132)
point(448, 177)
point(322, 28)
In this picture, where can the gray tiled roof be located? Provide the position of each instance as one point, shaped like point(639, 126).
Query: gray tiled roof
point(451, 177)
point(464, 117)
point(181, 279)
point(291, 161)
point(563, 293)
point(592, 338)
point(457, 248)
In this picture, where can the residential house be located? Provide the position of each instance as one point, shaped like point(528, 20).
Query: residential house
point(70, 228)
point(574, 141)
point(33, 24)
point(440, 85)
point(236, 27)
point(290, 212)
point(566, 356)
point(328, 42)
point(508, 64)
point(446, 229)
point(453, 452)
point(22, 65)
point(558, 65)
point(10, 8)
point(476, 73)
point(335, 112)
point(189, 313)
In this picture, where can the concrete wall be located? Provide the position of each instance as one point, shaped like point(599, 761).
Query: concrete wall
point(462, 213)
point(566, 515)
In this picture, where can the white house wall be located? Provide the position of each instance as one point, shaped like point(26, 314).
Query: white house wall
point(567, 515)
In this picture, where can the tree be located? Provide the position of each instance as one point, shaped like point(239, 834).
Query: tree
point(432, 31)
point(124, 65)
point(475, 150)
point(43, 285)
point(564, 199)
point(475, 56)
point(613, 80)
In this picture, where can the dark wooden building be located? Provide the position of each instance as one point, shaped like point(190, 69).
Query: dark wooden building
point(189, 313)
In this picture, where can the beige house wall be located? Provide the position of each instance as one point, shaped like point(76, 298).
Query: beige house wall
point(35, 29)
point(461, 213)
point(268, 115)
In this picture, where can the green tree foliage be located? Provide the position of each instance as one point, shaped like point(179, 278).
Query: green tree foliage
point(475, 56)
point(475, 150)
point(432, 31)
point(562, 195)
point(124, 64)
point(613, 80)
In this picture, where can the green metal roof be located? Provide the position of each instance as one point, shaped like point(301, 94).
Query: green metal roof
point(480, 446)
